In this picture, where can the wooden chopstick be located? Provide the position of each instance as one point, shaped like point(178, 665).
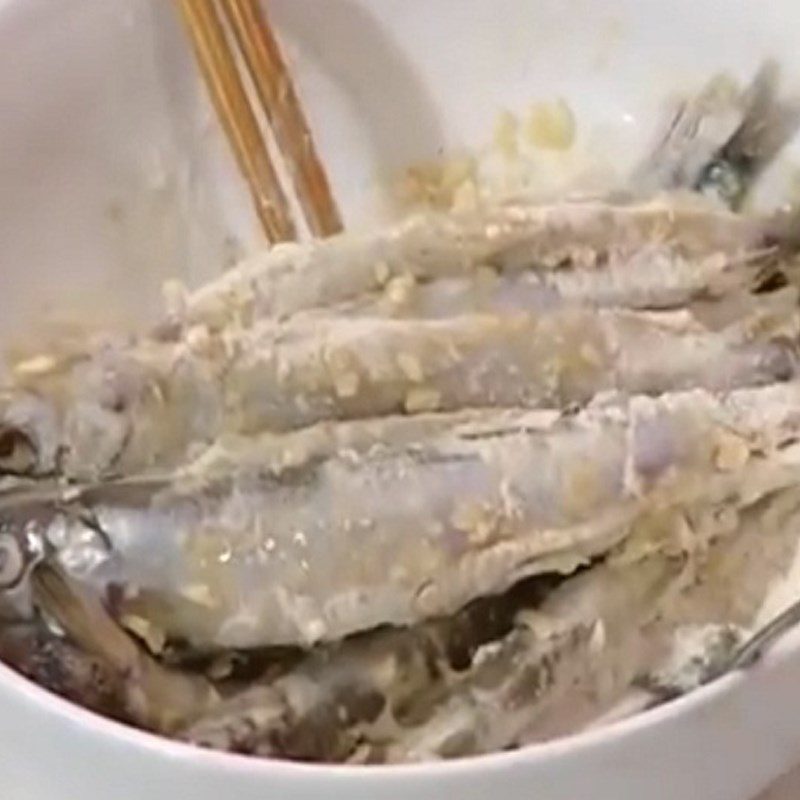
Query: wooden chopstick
point(284, 113)
point(230, 99)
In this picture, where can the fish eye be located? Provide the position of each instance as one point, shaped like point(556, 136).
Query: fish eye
point(17, 452)
point(12, 562)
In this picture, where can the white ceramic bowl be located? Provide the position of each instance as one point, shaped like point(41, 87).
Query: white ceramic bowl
point(114, 177)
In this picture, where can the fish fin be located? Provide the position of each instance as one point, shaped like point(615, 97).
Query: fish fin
point(158, 698)
point(83, 617)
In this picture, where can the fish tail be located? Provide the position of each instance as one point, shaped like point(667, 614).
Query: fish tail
point(719, 141)
point(767, 126)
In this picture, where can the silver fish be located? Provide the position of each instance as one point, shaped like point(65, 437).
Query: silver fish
point(531, 685)
point(247, 557)
point(316, 710)
point(508, 239)
point(401, 695)
point(711, 629)
point(149, 408)
point(354, 368)
point(653, 279)
point(529, 665)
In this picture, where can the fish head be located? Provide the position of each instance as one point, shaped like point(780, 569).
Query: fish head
point(22, 547)
point(75, 426)
point(30, 436)
point(44, 524)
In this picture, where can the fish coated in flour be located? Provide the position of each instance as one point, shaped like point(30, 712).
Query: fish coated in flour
point(250, 557)
point(124, 412)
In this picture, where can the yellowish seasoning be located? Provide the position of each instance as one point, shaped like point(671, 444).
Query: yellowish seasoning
point(422, 399)
point(591, 355)
point(242, 304)
point(506, 135)
point(346, 384)
point(464, 515)
point(731, 452)
point(400, 289)
point(398, 573)
point(382, 273)
point(205, 548)
point(455, 171)
point(339, 359)
point(154, 638)
point(466, 197)
point(221, 667)
point(584, 257)
point(478, 521)
point(199, 593)
point(551, 125)
point(542, 625)
point(215, 313)
point(385, 668)
point(343, 372)
point(49, 355)
point(576, 354)
point(666, 532)
point(434, 184)
point(35, 366)
point(582, 490)
point(411, 367)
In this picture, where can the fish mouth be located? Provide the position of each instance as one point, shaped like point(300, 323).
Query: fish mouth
point(13, 562)
point(19, 454)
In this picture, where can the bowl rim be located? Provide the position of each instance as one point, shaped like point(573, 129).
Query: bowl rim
point(151, 744)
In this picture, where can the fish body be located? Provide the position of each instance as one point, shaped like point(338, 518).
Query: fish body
point(400, 696)
point(655, 278)
point(509, 240)
point(127, 411)
point(534, 663)
point(244, 556)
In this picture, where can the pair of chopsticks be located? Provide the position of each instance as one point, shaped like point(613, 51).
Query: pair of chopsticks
point(276, 94)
